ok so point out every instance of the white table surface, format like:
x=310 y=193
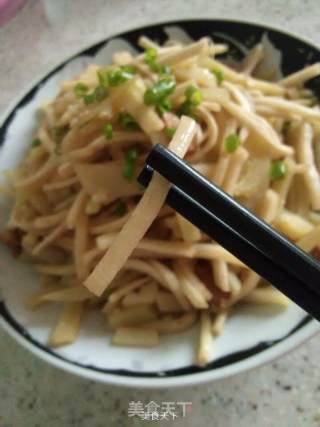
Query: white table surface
x=34 y=394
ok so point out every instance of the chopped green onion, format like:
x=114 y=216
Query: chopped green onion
x=80 y=89
x=193 y=99
x=185 y=109
x=128 y=122
x=219 y=75
x=130 y=163
x=100 y=93
x=164 y=106
x=128 y=69
x=128 y=171
x=170 y=132
x=114 y=77
x=103 y=78
x=193 y=95
x=35 y=142
x=189 y=91
x=158 y=95
x=159 y=91
x=150 y=59
x=131 y=155
x=150 y=55
x=159 y=68
x=155 y=67
x=121 y=208
x=232 y=142
x=89 y=99
x=149 y=97
x=108 y=130
x=278 y=170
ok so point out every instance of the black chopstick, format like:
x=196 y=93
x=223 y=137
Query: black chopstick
x=274 y=245
x=238 y=246
x=242 y=247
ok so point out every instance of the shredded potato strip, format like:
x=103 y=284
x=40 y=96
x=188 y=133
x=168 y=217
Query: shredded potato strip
x=260 y=128
x=305 y=155
x=205 y=339
x=80 y=243
x=117 y=294
x=141 y=219
x=50 y=238
x=289 y=108
x=39 y=178
x=160 y=248
x=266 y=295
x=72 y=294
x=76 y=209
x=299 y=77
x=161 y=274
x=253 y=58
x=192 y=287
x=268 y=212
x=68 y=325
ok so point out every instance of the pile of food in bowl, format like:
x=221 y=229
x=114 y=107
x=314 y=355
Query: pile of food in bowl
x=99 y=241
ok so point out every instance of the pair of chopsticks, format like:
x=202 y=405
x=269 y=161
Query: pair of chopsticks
x=238 y=230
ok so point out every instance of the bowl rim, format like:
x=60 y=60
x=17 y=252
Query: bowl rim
x=190 y=379
x=265 y=356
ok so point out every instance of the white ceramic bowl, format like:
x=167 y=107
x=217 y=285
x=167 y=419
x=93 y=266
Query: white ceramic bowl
x=253 y=335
